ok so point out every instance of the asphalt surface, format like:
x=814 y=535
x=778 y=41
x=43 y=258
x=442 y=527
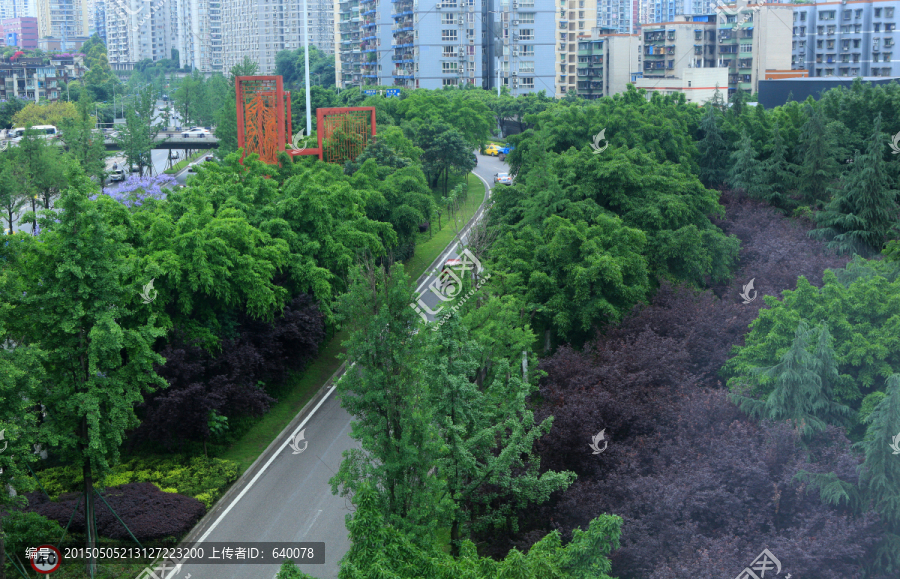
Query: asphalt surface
x=285 y=497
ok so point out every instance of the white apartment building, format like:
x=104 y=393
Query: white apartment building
x=16 y=9
x=199 y=34
x=261 y=29
x=137 y=30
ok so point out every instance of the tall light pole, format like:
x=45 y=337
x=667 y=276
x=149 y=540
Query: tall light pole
x=306 y=63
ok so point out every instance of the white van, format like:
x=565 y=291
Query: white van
x=46 y=131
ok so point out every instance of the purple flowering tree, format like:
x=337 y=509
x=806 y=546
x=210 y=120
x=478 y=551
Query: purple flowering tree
x=135 y=190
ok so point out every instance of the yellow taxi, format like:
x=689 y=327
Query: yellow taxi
x=492 y=150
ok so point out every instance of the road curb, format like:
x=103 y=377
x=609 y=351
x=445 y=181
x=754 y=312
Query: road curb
x=274 y=447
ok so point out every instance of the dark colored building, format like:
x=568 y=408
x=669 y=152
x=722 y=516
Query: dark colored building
x=21 y=32
x=774 y=93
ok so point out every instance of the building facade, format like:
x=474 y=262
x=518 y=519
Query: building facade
x=437 y=43
x=32 y=79
x=576 y=19
x=607 y=62
x=16 y=9
x=671 y=47
x=21 y=32
x=698 y=85
x=752 y=43
x=857 y=38
x=261 y=29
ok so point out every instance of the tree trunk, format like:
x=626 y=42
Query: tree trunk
x=454 y=539
x=90 y=524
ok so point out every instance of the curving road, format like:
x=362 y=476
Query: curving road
x=285 y=497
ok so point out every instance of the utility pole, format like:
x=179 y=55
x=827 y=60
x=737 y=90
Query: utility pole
x=306 y=61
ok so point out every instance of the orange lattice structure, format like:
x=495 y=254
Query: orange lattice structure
x=261 y=124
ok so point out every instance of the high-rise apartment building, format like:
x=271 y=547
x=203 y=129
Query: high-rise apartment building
x=576 y=18
x=849 y=40
x=16 y=9
x=441 y=43
x=199 y=34
x=62 y=18
x=752 y=42
x=619 y=15
x=671 y=47
x=261 y=29
x=136 y=31
x=607 y=62
x=98 y=21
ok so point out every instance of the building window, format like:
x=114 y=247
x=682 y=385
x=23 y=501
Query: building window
x=528 y=34
x=526 y=66
x=878 y=13
x=847 y=14
x=527 y=83
x=829 y=15
x=526 y=17
x=831 y=44
x=449 y=67
x=448 y=35
x=890 y=27
x=448 y=19
x=888 y=12
x=528 y=50
x=877 y=27
x=803 y=17
x=819 y=43
x=887 y=56
x=449 y=81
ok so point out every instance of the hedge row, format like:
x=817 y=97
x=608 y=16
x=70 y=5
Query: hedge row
x=204 y=479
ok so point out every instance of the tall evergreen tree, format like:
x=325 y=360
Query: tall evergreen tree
x=863 y=213
x=818 y=155
x=487 y=435
x=744 y=166
x=776 y=176
x=803 y=385
x=879 y=479
x=383 y=391
x=713 y=150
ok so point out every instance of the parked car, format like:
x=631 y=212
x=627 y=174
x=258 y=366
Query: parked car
x=117 y=175
x=195 y=132
x=503 y=178
x=492 y=150
x=505 y=150
x=208 y=158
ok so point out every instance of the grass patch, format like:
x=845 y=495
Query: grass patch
x=430 y=245
x=185 y=162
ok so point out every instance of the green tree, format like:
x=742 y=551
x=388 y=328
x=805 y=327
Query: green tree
x=713 y=150
x=246 y=67
x=85 y=146
x=21 y=375
x=445 y=150
x=776 y=175
x=818 y=154
x=12 y=192
x=745 y=168
x=380 y=550
x=138 y=136
x=803 y=386
x=81 y=308
x=486 y=434
x=383 y=392
x=863 y=214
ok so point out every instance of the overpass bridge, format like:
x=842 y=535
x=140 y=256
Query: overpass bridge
x=172 y=140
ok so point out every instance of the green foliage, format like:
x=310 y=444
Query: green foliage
x=380 y=550
x=861 y=316
x=382 y=391
x=205 y=479
x=137 y=136
x=23 y=530
x=745 y=168
x=290 y=571
x=291 y=65
x=862 y=216
x=818 y=154
x=776 y=175
x=713 y=150
x=803 y=384
x=577 y=275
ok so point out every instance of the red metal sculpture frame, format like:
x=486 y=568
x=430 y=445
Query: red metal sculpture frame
x=264 y=123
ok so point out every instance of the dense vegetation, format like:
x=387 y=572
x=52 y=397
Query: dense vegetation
x=612 y=305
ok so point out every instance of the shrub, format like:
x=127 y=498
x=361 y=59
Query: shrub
x=148 y=512
x=23 y=530
x=192 y=477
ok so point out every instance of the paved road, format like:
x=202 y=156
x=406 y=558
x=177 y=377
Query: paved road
x=286 y=497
